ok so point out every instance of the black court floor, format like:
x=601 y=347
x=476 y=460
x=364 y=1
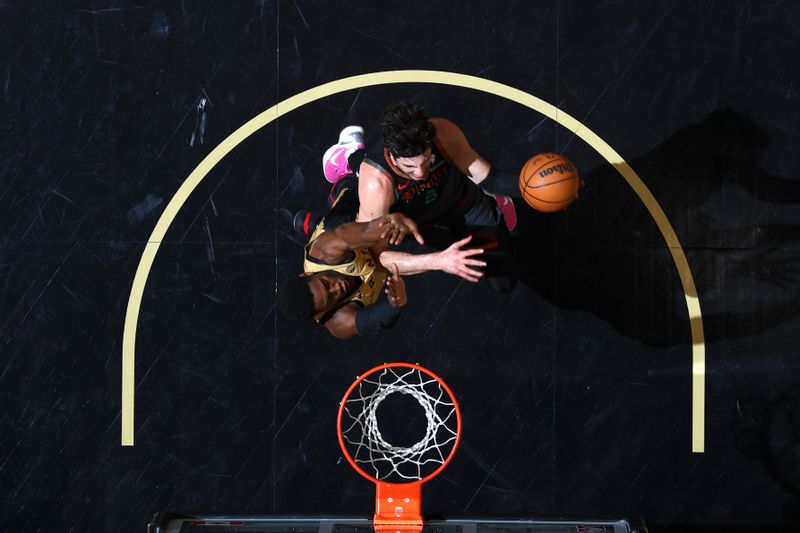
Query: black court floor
x=645 y=365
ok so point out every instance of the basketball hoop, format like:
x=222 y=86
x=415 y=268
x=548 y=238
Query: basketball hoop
x=398 y=471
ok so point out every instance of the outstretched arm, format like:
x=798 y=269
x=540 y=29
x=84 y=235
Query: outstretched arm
x=458 y=149
x=331 y=246
x=394 y=226
x=453 y=260
x=475 y=167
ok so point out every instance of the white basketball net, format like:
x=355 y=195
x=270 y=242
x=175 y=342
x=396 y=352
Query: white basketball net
x=370 y=450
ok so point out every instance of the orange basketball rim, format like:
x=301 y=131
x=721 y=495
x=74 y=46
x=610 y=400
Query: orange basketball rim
x=398 y=471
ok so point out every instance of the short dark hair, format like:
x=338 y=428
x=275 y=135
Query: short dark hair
x=406 y=130
x=295 y=300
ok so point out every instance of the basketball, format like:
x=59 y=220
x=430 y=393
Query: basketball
x=549 y=182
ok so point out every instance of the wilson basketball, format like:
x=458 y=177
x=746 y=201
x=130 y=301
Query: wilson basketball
x=549 y=182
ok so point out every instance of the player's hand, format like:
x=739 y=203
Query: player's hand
x=396 y=226
x=396 y=288
x=460 y=262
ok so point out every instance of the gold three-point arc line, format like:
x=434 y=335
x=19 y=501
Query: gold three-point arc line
x=415 y=76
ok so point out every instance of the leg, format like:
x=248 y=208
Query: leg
x=340 y=164
x=335 y=161
x=342 y=207
x=343 y=201
x=485 y=222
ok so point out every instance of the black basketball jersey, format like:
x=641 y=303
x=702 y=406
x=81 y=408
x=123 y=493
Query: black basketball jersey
x=446 y=194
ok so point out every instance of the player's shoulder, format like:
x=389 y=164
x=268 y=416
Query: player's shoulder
x=325 y=247
x=448 y=133
x=444 y=126
x=342 y=324
x=372 y=176
x=441 y=121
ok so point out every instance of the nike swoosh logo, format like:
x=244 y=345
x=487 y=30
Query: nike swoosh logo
x=401 y=187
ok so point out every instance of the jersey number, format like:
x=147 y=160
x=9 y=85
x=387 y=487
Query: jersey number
x=431 y=196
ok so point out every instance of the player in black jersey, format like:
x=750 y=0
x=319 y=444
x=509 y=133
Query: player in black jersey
x=430 y=173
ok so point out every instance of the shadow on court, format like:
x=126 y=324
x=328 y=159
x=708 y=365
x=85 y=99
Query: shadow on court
x=735 y=223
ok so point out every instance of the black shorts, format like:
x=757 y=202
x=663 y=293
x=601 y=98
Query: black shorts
x=343 y=203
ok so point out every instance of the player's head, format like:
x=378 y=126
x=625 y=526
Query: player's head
x=307 y=294
x=408 y=137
